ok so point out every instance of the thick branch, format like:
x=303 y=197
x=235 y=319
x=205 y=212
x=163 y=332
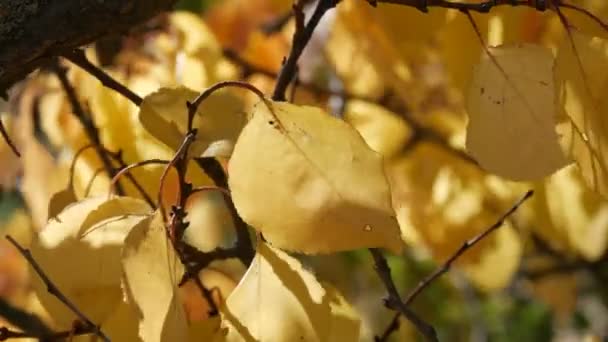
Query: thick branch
x=33 y=31
x=483 y=6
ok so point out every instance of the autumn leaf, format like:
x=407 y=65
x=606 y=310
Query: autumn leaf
x=165 y=115
x=93 y=256
x=310 y=183
x=511 y=109
x=581 y=74
x=151 y=271
x=276 y=288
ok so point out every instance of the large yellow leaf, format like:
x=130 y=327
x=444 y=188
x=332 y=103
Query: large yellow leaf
x=84 y=266
x=581 y=72
x=165 y=115
x=511 y=109
x=309 y=183
x=277 y=289
x=151 y=273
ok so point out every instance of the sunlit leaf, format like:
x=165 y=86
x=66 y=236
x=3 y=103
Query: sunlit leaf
x=277 y=289
x=151 y=273
x=165 y=115
x=309 y=183
x=93 y=257
x=581 y=72
x=511 y=110
x=115 y=207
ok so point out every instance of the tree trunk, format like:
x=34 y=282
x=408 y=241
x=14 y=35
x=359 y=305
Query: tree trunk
x=33 y=31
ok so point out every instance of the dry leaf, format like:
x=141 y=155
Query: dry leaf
x=310 y=183
x=581 y=73
x=511 y=111
x=151 y=271
x=92 y=259
x=165 y=115
x=277 y=289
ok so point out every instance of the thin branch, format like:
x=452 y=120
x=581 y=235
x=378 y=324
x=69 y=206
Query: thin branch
x=79 y=58
x=465 y=246
x=25 y=321
x=52 y=289
x=394 y=299
x=448 y=263
x=78 y=330
x=86 y=121
x=193 y=106
x=243 y=249
x=482 y=7
x=118 y=158
x=301 y=37
x=8 y=140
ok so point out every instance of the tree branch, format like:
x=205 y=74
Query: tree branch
x=79 y=58
x=394 y=300
x=448 y=263
x=52 y=289
x=87 y=122
x=301 y=37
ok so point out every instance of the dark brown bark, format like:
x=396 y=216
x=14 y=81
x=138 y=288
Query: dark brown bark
x=33 y=31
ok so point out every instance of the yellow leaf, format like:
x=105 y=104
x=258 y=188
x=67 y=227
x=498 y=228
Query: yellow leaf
x=210 y=220
x=151 y=273
x=122 y=324
x=309 y=183
x=277 y=289
x=116 y=207
x=60 y=200
x=165 y=115
x=385 y=132
x=93 y=258
x=575 y=213
x=581 y=73
x=511 y=110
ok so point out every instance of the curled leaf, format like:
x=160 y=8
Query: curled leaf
x=165 y=115
x=92 y=258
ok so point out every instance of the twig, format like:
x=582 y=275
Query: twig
x=448 y=263
x=394 y=300
x=30 y=324
x=487 y=5
x=8 y=140
x=118 y=158
x=301 y=37
x=78 y=329
x=86 y=121
x=465 y=246
x=483 y=7
x=79 y=58
x=52 y=289
x=243 y=249
x=196 y=260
